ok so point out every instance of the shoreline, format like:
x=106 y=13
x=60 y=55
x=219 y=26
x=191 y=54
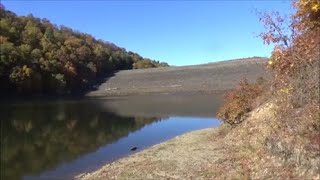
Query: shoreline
x=222 y=152
x=115 y=95
x=173 y=159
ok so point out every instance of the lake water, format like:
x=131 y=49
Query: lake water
x=58 y=139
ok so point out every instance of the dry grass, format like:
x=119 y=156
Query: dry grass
x=190 y=156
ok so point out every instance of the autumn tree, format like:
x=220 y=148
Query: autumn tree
x=40 y=57
x=293 y=91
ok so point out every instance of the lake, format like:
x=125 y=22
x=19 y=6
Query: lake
x=58 y=139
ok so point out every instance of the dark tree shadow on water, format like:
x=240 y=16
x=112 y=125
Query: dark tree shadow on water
x=37 y=136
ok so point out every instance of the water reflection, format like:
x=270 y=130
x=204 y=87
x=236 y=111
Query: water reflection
x=37 y=136
x=58 y=139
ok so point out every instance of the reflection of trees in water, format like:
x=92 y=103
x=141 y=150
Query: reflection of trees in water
x=38 y=136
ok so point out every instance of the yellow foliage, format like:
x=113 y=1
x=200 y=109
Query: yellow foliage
x=315 y=7
x=308 y=11
x=286 y=90
x=26 y=71
x=3 y=39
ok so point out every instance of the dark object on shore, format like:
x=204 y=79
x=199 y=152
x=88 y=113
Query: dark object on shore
x=134 y=148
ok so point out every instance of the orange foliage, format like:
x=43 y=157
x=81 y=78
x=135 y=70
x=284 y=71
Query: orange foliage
x=239 y=102
x=295 y=63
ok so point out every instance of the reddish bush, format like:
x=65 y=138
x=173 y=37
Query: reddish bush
x=238 y=102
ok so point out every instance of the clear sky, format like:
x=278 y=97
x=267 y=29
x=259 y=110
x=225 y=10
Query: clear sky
x=177 y=32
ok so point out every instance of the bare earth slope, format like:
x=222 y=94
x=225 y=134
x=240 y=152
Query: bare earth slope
x=205 y=78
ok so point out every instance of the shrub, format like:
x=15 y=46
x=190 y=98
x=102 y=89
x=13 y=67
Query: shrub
x=295 y=62
x=240 y=101
x=295 y=86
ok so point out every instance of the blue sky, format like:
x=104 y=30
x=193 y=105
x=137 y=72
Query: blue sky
x=177 y=32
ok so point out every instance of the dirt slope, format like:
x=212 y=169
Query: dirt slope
x=206 y=78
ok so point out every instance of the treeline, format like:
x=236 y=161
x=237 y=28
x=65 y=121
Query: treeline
x=38 y=57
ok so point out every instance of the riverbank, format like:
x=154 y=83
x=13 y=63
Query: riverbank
x=217 y=153
x=202 y=154
x=192 y=155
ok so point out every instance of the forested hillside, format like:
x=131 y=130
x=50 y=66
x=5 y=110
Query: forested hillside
x=38 y=57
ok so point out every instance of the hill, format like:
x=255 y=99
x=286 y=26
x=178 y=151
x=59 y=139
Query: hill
x=205 y=78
